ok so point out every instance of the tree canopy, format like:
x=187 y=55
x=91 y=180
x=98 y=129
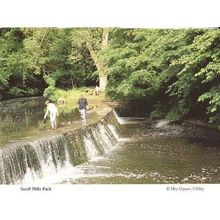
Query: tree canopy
x=35 y=59
x=176 y=72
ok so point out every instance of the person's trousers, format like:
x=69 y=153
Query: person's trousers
x=53 y=121
x=83 y=115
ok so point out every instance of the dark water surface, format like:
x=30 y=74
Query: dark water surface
x=147 y=152
x=152 y=159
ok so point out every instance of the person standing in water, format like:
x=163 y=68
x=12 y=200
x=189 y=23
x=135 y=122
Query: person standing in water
x=82 y=104
x=52 y=109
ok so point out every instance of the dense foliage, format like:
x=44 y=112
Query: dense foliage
x=176 y=73
x=32 y=59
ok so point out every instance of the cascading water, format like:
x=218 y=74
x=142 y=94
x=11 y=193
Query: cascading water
x=128 y=120
x=27 y=162
x=150 y=154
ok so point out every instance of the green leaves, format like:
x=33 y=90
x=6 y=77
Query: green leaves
x=200 y=70
x=176 y=69
x=138 y=84
x=182 y=65
x=213 y=96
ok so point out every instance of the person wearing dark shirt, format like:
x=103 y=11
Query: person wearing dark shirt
x=82 y=105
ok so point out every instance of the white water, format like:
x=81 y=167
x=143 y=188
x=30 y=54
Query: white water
x=128 y=120
x=91 y=150
x=66 y=174
x=87 y=171
x=105 y=139
x=119 y=139
x=162 y=123
x=47 y=160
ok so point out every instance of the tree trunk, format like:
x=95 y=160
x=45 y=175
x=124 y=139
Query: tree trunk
x=72 y=83
x=99 y=62
x=102 y=82
x=105 y=34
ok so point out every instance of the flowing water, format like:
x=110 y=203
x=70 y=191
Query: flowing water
x=115 y=150
x=153 y=156
x=43 y=157
x=165 y=160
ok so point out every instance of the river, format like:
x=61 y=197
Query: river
x=169 y=154
x=112 y=150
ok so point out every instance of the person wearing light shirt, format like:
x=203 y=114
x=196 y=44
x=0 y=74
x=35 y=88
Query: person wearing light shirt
x=53 y=111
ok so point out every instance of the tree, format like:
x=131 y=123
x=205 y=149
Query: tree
x=176 y=68
x=13 y=75
x=174 y=72
x=201 y=72
x=96 y=41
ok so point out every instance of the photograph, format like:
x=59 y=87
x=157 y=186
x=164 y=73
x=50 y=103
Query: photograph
x=109 y=106
x=109 y=109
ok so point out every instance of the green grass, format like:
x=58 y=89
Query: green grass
x=71 y=98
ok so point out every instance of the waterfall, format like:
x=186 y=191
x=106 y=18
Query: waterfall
x=119 y=119
x=21 y=163
x=26 y=162
x=91 y=150
x=128 y=120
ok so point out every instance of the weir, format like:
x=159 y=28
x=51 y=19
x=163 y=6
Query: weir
x=28 y=161
x=115 y=150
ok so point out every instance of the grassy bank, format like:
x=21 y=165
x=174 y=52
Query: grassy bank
x=70 y=98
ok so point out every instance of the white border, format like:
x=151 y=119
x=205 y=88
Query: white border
x=109 y=201
x=110 y=13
